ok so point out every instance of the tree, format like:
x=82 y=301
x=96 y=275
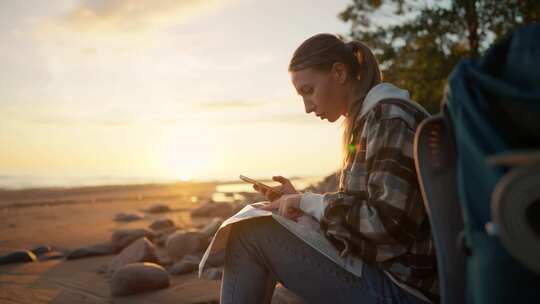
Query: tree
x=418 y=43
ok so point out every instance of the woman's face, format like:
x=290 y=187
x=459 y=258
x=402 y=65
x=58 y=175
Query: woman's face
x=322 y=93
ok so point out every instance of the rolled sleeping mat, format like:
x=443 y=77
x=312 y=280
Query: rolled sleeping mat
x=515 y=209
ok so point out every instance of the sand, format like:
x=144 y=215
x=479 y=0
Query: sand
x=71 y=218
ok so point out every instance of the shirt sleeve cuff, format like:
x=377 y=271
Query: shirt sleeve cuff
x=313 y=204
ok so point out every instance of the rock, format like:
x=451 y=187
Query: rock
x=161 y=239
x=212 y=227
x=53 y=255
x=214 y=273
x=181 y=243
x=90 y=251
x=328 y=184
x=159 y=208
x=41 y=249
x=19 y=256
x=123 y=237
x=163 y=258
x=188 y=264
x=216 y=259
x=137 y=278
x=128 y=217
x=141 y=250
x=213 y=210
x=162 y=224
x=284 y=296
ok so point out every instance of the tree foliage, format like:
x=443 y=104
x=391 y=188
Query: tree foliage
x=418 y=42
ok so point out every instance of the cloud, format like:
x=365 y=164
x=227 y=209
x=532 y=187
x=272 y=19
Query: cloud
x=133 y=16
x=139 y=19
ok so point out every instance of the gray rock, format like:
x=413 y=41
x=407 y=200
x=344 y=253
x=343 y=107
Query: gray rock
x=53 y=255
x=161 y=238
x=138 y=278
x=213 y=210
x=162 y=224
x=214 y=273
x=328 y=184
x=159 y=208
x=163 y=257
x=212 y=227
x=41 y=249
x=284 y=296
x=90 y=251
x=217 y=259
x=128 y=217
x=188 y=264
x=124 y=237
x=181 y=243
x=141 y=250
x=19 y=256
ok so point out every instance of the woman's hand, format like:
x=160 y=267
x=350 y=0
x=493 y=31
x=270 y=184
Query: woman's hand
x=288 y=205
x=286 y=187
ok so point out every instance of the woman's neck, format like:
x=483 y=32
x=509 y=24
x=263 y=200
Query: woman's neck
x=355 y=97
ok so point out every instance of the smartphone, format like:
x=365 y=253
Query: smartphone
x=255 y=182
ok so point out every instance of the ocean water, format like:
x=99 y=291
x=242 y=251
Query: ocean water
x=228 y=189
x=299 y=183
x=8 y=181
x=230 y=192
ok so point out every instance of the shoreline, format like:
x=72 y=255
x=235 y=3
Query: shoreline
x=57 y=195
x=50 y=196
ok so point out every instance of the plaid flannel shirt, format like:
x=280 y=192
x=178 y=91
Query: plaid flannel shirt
x=378 y=213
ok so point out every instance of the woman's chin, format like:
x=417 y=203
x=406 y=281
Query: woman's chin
x=330 y=119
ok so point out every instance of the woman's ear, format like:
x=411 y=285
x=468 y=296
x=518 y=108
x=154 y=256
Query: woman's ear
x=340 y=72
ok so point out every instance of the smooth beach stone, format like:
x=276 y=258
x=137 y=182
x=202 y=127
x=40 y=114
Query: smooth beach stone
x=212 y=227
x=19 y=256
x=213 y=210
x=137 y=278
x=41 y=249
x=128 y=217
x=140 y=251
x=216 y=259
x=122 y=238
x=163 y=258
x=328 y=184
x=161 y=237
x=214 y=273
x=284 y=296
x=90 y=251
x=53 y=255
x=188 y=264
x=162 y=224
x=182 y=243
x=159 y=208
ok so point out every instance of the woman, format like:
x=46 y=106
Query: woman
x=377 y=214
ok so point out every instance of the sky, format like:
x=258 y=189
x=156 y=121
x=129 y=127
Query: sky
x=160 y=89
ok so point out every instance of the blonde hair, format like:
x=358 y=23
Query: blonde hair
x=320 y=52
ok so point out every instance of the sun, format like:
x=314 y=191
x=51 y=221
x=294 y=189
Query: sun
x=185 y=178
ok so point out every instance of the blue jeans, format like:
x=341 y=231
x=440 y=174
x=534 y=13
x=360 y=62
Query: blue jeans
x=261 y=252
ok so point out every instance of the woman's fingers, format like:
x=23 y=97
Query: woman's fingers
x=272 y=195
x=281 y=179
x=287 y=186
x=271 y=206
x=260 y=189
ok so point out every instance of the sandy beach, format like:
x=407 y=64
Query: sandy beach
x=71 y=218
x=65 y=219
